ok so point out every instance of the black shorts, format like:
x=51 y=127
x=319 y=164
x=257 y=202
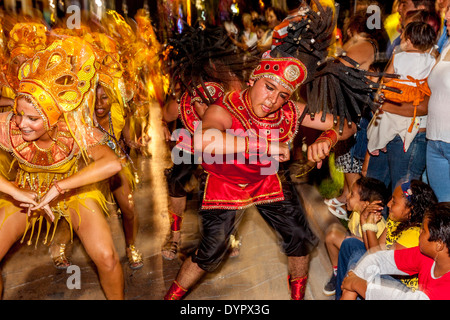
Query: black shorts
x=286 y=217
x=178 y=176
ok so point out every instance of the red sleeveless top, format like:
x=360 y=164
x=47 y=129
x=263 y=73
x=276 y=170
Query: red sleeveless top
x=235 y=181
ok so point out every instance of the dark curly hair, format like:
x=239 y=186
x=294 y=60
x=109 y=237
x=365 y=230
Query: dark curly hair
x=421 y=199
x=201 y=54
x=439 y=223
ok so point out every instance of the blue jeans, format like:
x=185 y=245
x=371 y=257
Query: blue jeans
x=395 y=164
x=350 y=252
x=438 y=169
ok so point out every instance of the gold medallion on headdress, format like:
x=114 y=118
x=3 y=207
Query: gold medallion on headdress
x=289 y=72
x=27 y=38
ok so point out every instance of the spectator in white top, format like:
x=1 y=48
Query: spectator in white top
x=438 y=124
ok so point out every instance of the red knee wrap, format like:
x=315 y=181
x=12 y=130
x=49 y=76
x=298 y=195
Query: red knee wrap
x=298 y=287
x=176 y=220
x=176 y=292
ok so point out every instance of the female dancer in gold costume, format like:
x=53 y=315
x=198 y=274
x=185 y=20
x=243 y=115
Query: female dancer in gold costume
x=60 y=158
x=109 y=117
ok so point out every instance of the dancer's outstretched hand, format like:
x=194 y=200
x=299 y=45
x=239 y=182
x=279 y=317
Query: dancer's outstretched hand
x=51 y=194
x=25 y=197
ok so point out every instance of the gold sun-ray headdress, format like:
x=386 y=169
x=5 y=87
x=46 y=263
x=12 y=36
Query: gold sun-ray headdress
x=60 y=81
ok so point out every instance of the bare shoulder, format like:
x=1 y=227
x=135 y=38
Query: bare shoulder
x=300 y=106
x=99 y=151
x=363 y=53
x=217 y=117
x=170 y=110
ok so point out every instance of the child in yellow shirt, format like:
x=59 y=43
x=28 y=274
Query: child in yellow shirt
x=407 y=208
x=363 y=192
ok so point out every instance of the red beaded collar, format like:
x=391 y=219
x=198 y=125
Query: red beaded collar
x=285 y=119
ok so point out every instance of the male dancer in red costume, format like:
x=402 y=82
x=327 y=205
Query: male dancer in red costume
x=264 y=121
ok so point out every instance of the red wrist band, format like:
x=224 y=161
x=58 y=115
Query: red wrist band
x=61 y=191
x=329 y=135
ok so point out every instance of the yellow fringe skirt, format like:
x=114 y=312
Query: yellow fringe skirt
x=73 y=200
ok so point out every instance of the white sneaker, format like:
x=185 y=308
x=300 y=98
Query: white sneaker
x=339 y=212
x=333 y=202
